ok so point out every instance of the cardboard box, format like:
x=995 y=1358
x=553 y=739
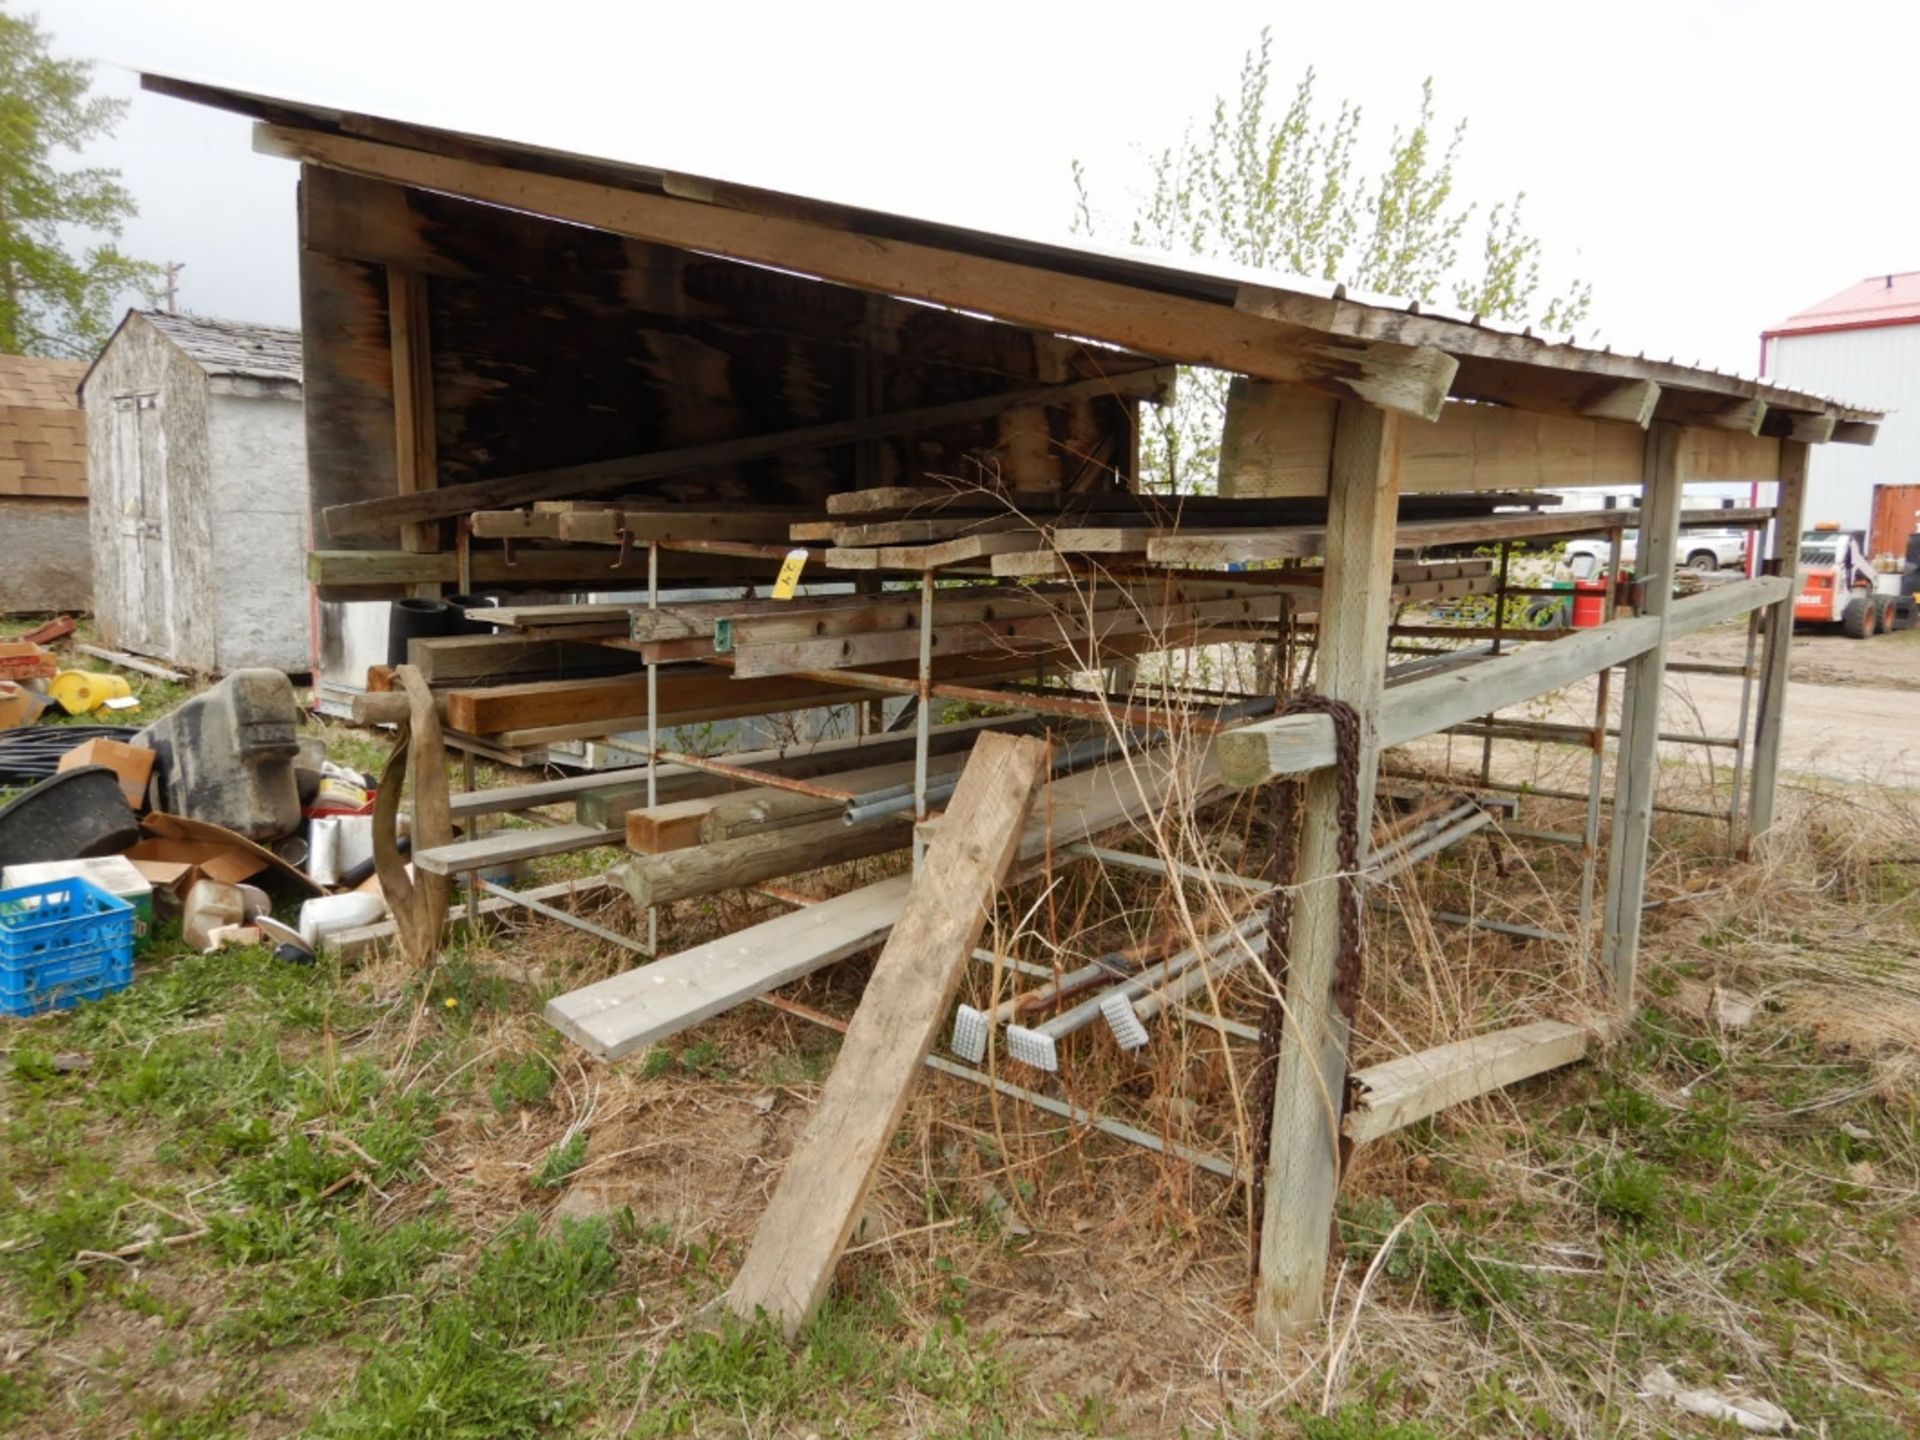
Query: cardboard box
x=132 y=763
x=177 y=865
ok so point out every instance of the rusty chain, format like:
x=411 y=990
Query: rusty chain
x=1351 y=955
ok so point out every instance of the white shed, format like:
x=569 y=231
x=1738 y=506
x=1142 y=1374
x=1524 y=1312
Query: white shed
x=197 y=452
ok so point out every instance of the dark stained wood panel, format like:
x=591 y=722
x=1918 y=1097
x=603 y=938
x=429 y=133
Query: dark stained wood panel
x=556 y=345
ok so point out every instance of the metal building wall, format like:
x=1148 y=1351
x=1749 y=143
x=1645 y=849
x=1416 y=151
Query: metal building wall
x=1878 y=366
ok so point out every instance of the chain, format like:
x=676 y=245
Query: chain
x=1350 y=957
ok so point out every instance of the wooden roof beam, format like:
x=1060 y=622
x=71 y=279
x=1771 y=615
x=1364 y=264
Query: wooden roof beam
x=1741 y=415
x=1803 y=425
x=1556 y=392
x=1409 y=378
x=1855 y=432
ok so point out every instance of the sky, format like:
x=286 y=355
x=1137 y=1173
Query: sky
x=1709 y=166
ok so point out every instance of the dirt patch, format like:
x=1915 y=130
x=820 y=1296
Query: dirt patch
x=1820 y=656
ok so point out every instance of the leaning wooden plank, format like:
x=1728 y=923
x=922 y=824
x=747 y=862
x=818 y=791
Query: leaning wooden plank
x=504 y=847
x=617 y=1016
x=750 y=859
x=1394 y=1094
x=800 y=1238
x=363 y=517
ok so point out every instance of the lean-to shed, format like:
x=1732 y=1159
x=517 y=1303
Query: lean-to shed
x=199 y=523
x=43 y=486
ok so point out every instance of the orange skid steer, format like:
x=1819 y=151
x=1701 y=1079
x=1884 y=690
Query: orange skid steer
x=1837 y=587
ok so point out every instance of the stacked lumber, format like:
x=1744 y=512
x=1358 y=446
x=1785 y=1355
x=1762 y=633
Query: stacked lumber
x=1012 y=535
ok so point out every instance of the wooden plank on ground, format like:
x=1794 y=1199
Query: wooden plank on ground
x=1396 y=1093
x=800 y=1238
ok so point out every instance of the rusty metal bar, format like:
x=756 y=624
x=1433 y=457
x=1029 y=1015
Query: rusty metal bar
x=748 y=776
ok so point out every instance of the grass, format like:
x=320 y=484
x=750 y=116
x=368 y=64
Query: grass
x=249 y=1199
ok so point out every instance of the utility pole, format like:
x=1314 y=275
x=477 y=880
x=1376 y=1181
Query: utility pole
x=173 y=269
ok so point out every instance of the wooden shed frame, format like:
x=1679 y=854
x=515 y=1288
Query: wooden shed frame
x=1359 y=400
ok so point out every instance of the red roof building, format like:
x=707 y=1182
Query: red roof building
x=1876 y=300
x=1863 y=343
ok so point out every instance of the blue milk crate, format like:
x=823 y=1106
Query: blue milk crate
x=61 y=942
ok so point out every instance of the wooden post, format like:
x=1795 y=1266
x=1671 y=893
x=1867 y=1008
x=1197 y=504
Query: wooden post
x=1637 y=761
x=1791 y=505
x=1311 y=1069
x=415 y=453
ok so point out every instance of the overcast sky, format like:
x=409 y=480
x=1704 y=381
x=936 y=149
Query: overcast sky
x=1709 y=166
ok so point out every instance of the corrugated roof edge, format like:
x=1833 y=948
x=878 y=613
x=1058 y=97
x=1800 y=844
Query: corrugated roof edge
x=1333 y=309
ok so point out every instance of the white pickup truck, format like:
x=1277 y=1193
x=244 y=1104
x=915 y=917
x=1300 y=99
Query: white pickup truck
x=1699 y=550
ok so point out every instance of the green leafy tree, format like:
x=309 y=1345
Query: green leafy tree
x=59 y=291
x=1285 y=192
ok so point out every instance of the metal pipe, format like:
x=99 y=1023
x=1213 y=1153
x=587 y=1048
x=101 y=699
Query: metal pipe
x=923 y=718
x=653 y=726
x=1553 y=731
x=554 y=912
x=1740 y=734
x=749 y=776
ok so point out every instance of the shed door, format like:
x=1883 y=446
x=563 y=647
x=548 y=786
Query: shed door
x=145 y=622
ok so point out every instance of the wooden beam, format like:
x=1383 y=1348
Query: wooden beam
x=612 y=1018
x=1855 y=432
x=450 y=659
x=1637 y=768
x=1408 y=378
x=1737 y=414
x=416 y=465
x=1339 y=315
x=1310 y=1068
x=798 y=1242
x=340 y=572
x=1556 y=392
x=1277 y=443
x=1086 y=631
x=688 y=872
x=618 y=525
x=505 y=847
x=364 y=517
x=1291 y=744
x=1770 y=718
x=1396 y=1093
x=1799 y=425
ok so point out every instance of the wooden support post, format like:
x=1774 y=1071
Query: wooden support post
x=1791 y=507
x=1311 y=1068
x=416 y=465
x=1637 y=762
x=814 y=1209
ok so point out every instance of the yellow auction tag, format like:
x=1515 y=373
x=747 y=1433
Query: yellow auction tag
x=789 y=578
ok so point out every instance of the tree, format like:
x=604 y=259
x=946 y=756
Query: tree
x=59 y=292
x=1283 y=194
